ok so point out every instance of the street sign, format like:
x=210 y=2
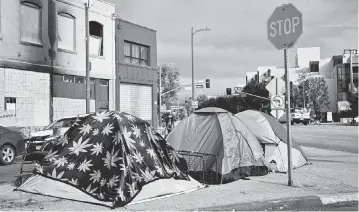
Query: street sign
x=277 y=102
x=285 y=26
x=276 y=84
x=194 y=104
x=199 y=86
x=237 y=90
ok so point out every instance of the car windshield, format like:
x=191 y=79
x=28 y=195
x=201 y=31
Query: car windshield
x=61 y=123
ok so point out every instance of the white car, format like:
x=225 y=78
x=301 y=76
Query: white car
x=58 y=127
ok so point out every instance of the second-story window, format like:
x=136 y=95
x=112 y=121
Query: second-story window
x=314 y=66
x=96 y=38
x=66 y=31
x=31 y=23
x=136 y=54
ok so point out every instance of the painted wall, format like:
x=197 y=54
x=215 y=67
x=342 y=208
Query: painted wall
x=65 y=62
x=136 y=74
x=29 y=57
x=65 y=107
x=31 y=90
x=305 y=55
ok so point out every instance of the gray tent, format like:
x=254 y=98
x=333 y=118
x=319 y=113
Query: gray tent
x=273 y=136
x=229 y=150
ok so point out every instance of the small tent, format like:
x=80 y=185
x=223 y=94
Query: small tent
x=112 y=159
x=216 y=143
x=273 y=137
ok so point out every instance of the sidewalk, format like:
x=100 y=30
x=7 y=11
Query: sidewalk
x=332 y=173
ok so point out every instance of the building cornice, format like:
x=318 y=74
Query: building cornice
x=131 y=23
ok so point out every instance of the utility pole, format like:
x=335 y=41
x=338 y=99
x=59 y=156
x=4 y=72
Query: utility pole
x=192 y=64
x=88 y=83
x=160 y=101
x=192 y=34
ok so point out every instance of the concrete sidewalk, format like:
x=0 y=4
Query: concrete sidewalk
x=332 y=173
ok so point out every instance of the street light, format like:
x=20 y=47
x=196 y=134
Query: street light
x=87 y=4
x=351 y=66
x=192 y=34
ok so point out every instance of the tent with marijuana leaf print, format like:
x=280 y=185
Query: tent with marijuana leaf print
x=110 y=158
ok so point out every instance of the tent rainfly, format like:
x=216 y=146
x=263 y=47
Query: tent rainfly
x=273 y=137
x=228 y=148
x=112 y=159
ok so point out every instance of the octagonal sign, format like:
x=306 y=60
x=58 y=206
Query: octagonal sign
x=284 y=26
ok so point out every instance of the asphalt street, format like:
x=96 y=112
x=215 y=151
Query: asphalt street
x=333 y=137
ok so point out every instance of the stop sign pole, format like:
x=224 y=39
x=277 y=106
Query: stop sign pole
x=284 y=28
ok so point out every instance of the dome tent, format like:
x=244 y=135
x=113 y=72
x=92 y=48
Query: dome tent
x=231 y=151
x=273 y=136
x=110 y=158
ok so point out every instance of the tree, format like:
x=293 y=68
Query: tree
x=233 y=104
x=169 y=81
x=202 y=98
x=318 y=96
x=302 y=98
x=258 y=89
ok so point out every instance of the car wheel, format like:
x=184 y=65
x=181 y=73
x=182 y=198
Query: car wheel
x=7 y=155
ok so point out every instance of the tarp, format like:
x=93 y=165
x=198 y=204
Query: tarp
x=108 y=157
x=270 y=132
x=218 y=133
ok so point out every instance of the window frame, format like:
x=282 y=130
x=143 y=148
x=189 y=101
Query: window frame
x=101 y=82
x=132 y=58
x=33 y=5
x=5 y=103
x=101 y=49
x=73 y=50
x=314 y=64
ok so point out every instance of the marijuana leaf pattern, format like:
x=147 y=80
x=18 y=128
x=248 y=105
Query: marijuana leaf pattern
x=111 y=159
x=79 y=146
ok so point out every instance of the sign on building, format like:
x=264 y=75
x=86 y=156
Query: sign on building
x=194 y=104
x=237 y=90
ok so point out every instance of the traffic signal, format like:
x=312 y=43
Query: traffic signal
x=208 y=83
x=229 y=91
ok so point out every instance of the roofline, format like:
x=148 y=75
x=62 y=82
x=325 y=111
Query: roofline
x=120 y=19
x=106 y=2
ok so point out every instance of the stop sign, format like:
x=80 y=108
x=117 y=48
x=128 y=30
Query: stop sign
x=284 y=26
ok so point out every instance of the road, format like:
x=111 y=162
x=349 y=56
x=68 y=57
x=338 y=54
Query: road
x=340 y=138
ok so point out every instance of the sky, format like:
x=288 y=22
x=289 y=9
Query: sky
x=237 y=42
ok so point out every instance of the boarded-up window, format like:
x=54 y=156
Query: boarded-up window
x=96 y=38
x=31 y=23
x=66 y=31
x=10 y=104
x=136 y=100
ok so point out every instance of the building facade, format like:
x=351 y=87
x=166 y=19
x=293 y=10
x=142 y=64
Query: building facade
x=335 y=70
x=43 y=60
x=136 y=70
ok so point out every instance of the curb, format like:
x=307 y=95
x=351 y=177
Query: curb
x=295 y=203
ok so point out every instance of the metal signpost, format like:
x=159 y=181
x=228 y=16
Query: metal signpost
x=276 y=87
x=284 y=26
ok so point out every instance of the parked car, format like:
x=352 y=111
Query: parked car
x=11 y=145
x=58 y=127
